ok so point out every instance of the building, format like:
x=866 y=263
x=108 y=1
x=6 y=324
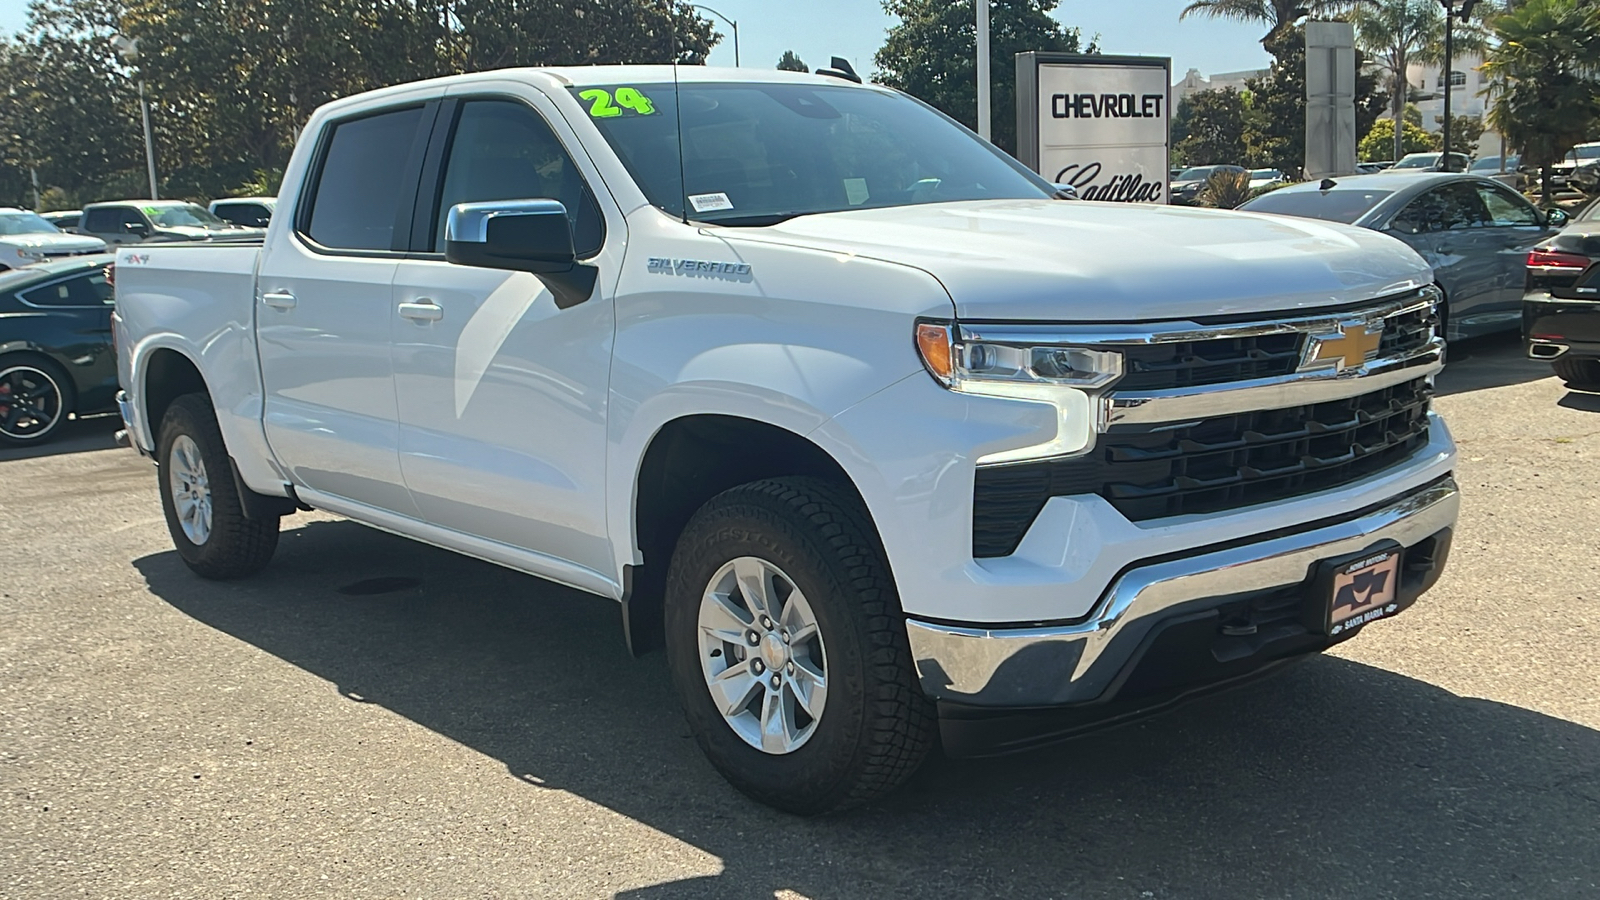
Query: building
x=1468 y=97
x=1194 y=82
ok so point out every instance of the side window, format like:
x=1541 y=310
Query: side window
x=1505 y=208
x=356 y=199
x=127 y=215
x=89 y=289
x=503 y=150
x=1452 y=207
x=101 y=221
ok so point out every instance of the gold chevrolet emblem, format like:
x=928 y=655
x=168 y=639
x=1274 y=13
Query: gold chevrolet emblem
x=1352 y=346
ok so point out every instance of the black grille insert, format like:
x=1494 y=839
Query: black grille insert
x=1218 y=464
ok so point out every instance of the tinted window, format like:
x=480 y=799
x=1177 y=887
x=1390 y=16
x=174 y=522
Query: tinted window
x=1505 y=208
x=357 y=197
x=503 y=150
x=755 y=154
x=1449 y=208
x=111 y=220
x=89 y=289
x=250 y=215
x=1335 y=206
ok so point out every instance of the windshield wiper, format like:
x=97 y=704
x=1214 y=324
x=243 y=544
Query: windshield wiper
x=754 y=221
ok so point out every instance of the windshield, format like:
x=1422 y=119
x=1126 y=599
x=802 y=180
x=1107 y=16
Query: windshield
x=1420 y=161
x=1198 y=173
x=1265 y=173
x=1335 y=206
x=1592 y=151
x=1492 y=163
x=25 y=223
x=185 y=216
x=757 y=154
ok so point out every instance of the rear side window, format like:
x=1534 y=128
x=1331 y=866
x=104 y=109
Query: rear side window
x=111 y=220
x=250 y=215
x=358 y=192
x=1335 y=206
x=1453 y=207
x=89 y=289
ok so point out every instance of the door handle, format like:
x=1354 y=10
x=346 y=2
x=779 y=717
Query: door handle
x=422 y=311
x=278 y=299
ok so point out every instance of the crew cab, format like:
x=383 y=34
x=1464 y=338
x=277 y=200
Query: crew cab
x=884 y=440
x=161 y=221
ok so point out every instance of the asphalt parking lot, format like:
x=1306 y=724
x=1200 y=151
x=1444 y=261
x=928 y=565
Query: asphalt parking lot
x=457 y=730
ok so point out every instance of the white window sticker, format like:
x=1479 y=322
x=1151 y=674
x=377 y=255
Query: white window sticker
x=709 y=202
x=855 y=191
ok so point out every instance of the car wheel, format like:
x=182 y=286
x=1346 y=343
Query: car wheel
x=36 y=397
x=1583 y=374
x=788 y=649
x=204 y=513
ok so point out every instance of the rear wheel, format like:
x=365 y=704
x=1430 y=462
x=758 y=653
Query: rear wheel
x=788 y=648
x=35 y=399
x=204 y=513
x=1583 y=374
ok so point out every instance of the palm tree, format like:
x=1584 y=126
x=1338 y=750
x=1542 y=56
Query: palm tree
x=1275 y=14
x=1396 y=33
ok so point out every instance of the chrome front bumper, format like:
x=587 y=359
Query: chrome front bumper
x=1078 y=662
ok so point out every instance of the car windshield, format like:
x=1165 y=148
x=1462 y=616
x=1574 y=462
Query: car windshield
x=25 y=223
x=1419 y=161
x=1198 y=173
x=1592 y=151
x=1345 y=205
x=186 y=216
x=757 y=154
x=1265 y=173
x=1492 y=164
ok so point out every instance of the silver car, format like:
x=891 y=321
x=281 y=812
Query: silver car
x=1474 y=231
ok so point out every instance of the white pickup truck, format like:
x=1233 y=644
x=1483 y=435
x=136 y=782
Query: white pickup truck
x=883 y=439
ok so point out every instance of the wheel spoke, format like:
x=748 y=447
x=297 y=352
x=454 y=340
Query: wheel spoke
x=720 y=618
x=777 y=731
x=755 y=583
x=810 y=687
x=731 y=689
x=797 y=618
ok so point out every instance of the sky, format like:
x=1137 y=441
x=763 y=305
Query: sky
x=819 y=29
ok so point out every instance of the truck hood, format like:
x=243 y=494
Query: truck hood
x=1055 y=260
x=45 y=242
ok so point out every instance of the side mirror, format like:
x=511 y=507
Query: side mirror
x=138 y=228
x=1556 y=218
x=1066 y=192
x=522 y=236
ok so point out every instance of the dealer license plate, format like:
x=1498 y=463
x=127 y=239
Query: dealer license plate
x=1364 y=590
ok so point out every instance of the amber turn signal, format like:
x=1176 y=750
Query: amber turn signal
x=933 y=342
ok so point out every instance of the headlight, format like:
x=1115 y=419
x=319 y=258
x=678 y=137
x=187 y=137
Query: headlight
x=28 y=253
x=1066 y=377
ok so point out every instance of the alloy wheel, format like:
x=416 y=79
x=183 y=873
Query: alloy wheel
x=30 y=403
x=191 y=490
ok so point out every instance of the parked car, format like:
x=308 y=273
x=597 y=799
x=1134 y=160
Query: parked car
x=1474 y=231
x=1561 y=311
x=879 y=457
x=1429 y=162
x=138 y=221
x=64 y=219
x=1260 y=178
x=56 y=358
x=1581 y=155
x=1370 y=168
x=1187 y=185
x=26 y=238
x=1490 y=165
x=247 y=212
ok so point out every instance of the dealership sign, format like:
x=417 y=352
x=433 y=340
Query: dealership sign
x=1098 y=123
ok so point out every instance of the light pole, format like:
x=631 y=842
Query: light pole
x=1449 y=68
x=128 y=49
x=732 y=23
x=983 y=69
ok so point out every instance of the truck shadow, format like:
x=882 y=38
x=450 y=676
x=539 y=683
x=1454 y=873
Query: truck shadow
x=1491 y=361
x=1333 y=779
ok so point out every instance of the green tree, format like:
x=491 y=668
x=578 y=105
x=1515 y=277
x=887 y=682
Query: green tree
x=1396 y=33
x=931 y=53
x=1276 y=133
x=1277 y=15
x=791 y=62
x=1209 y=128
x=1379 y=142
x=1464 y=134
x=1543 y=79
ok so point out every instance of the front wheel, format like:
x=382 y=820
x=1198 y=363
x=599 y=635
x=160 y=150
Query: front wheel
x=788 y=648
x=204 y=513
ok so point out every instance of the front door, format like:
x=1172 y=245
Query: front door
x=1448 y=226
x=1517 y=226
x=502 y=396
x=324 y=310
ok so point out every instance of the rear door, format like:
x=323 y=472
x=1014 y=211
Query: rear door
x=324 y=307
x=1517 y=226
x=502 y=396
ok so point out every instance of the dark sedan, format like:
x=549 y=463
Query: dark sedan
x=1561 y=312
x=1474 y=231
x=56 y=358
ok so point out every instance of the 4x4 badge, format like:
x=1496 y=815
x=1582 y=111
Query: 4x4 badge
x=1351 y=346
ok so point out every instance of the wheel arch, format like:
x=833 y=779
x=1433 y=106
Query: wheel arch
x=686 y=462
x=164 y=375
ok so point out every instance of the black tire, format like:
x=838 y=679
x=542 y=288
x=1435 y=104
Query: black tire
x=876 y=726
x=42 y=368
x=1580 y=373
x=236 y=546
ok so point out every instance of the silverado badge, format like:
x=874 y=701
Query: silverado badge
x=1348 y=348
